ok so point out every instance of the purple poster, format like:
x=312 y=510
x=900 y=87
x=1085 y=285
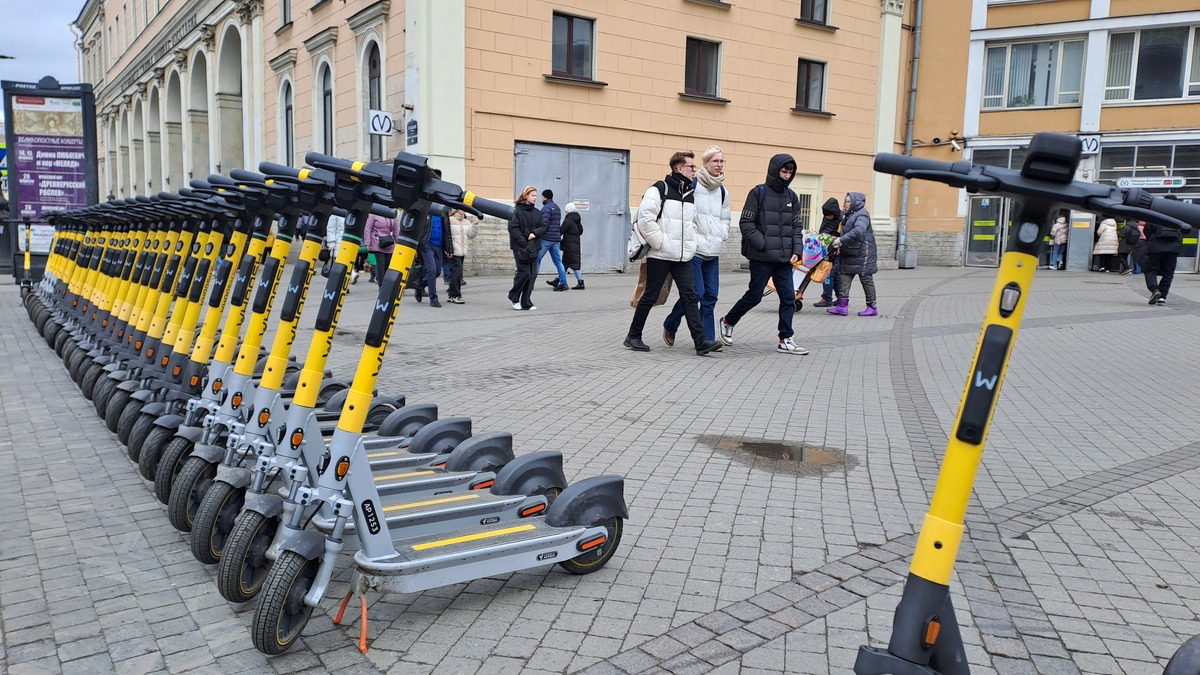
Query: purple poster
x=47 y=163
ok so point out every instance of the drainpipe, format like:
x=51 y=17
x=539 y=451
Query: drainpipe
x=902 y=227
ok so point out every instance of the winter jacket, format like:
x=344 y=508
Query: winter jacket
x=831 y=222
x=1162 y=238
x=1124 y=245
x=1106 y=242
x=525 y=220
x=773 y=231
x=378 y=226
x=672 y=236
x=572 y=230
x=463 y=227
x=859 y=254
x=334 y=230
x=1058 y=233
x=712 y=220
x=552 y=221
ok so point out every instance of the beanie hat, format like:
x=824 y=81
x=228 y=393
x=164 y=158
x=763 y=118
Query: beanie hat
x=569 y=207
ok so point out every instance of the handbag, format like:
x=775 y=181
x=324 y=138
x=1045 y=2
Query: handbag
x=327 y=267
x=821 y=272
x=637 y=247
x=641 y=288
x=323 y=254
x=385 y=241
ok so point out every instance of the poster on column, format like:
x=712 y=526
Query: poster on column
x=48 y=166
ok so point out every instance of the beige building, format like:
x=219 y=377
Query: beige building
x=588 y=99
x=1123 y=75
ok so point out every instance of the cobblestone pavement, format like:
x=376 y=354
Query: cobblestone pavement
x=1080 y=554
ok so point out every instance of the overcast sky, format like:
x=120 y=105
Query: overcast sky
x=35 y=34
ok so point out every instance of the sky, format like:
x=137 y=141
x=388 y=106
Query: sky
x=35 y=33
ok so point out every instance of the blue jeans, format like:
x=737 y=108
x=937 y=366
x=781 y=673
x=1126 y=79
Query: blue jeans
x=555 y=249
x=759 y=273
x=707 y=276
x=1056 y=256
x=829 y=286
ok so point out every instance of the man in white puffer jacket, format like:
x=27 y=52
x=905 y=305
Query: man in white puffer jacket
x=667 y=220
x=712 y=229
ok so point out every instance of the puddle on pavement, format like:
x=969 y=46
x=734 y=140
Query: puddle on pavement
x=794 y=458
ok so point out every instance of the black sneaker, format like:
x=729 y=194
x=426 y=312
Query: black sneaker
x=433 y=302
x=553 y=282
x=1155 y=297
x=1161 y=302
x=636 y=344
x=705 y=346
x=563 y=287
x=823 y=303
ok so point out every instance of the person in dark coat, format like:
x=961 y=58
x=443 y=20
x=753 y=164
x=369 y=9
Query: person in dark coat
x=1162 y=253
x=572 y=231
x=831 y=224
x=552 y=240
x=524 y=238
x=859 y=255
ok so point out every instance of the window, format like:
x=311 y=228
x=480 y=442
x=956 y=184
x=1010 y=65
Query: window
x=815 y=11
x=1029 y=74
x=375 y=98
x=1153 y=64
x=326 y=111
x=703 y=65
x=571 y=53
x=285 y=12
x=810 y=85
x=289 y=125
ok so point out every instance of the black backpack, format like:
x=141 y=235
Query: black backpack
x=1132 y=235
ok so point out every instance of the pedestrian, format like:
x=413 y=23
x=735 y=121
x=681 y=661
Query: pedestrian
x=1058 y=243
x=572 y=232
x=552 y=240
x=712 y=229
x=525 y=230
x=380 y=236
x=831 y=225
x=1129 y=237
x=432 y=255
x=1106 y=244
x=667 y=220
x=1139 y=248
x=334 y=228
x=463 y=227
x=860 y=257
x=772 y=240
x=1162 y=253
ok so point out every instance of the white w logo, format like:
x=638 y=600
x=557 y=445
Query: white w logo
x=382 y=306
x=980 y=382
x=329 y=295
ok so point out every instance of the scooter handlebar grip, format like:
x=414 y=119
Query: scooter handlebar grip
x=272 y=169
x=496 y=209
x=886 y=162
x=384 y=211
x=242 y=174
x=1183 y=211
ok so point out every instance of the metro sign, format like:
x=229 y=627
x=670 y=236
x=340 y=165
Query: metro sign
x=1152 y=182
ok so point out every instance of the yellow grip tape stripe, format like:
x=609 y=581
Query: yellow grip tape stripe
x=402 y=475
x=304 y=173
x=471 y=537
x=469 y=199
x=431 y=502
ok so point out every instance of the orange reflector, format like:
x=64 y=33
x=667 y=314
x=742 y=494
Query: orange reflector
x=194 y=381
x=138 y=346
x=589 y=544
x=263 y=417
x=343 y=467
x=237 y=400
x=165 y=359
x=175 y=371
x=931 y=632
x=216 y=386
x=297 y=438
x=149 y=352
x=104 y=323
x=531 y=510
x=482 y=485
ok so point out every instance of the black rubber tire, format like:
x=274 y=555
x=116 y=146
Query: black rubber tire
x=598 y=557
x=244 y=563
x=328 y=390
x=88 y=384
x=378 y=413
x=194 y=480
x=73 y=359
x=102 y=392
x=799 y=305
x=281 y=614
x=152 y=449
x=125 y=422
x=116 y=405
x=142 y=426
x=40 y=317
x=52 y=332
x=170 y=463
x=214 y=521
x=61 y=340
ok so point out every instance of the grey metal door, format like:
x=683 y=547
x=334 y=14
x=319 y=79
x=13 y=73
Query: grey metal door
x=597 y=181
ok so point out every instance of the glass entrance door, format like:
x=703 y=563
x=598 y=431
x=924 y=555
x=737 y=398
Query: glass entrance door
x=987 y=228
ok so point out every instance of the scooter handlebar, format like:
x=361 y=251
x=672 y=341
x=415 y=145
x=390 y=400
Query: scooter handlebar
x=486 y=206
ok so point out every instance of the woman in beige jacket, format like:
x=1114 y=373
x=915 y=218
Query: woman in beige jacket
x=463 y=227
x=1106 y=244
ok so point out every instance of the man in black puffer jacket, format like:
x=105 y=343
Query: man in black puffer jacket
x=772 y=240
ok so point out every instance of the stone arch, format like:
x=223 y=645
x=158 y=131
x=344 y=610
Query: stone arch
x=173 y=133
x=123 y=155
x=197 y=117
x=137 y=148
x=230 y=107
x=324 y=108
x=372 y=94
x=154 y=149
x=287 y=121
x=111 y=149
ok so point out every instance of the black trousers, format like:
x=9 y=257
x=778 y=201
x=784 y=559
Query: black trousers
x=685 y=280
x=1160 y=271
x=522 y=289
x=455 y=263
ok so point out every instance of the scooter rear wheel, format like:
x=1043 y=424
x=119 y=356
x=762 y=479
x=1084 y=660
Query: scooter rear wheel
x=152 y=450
x=195 y=478
x=281 y=614
x=90 y=378
x=214 y=520
x=142 y=426
x=170 y=463
x=116 y=405
x=598 y=557
x=125 y=424
x=105 y=386
x=244 y=562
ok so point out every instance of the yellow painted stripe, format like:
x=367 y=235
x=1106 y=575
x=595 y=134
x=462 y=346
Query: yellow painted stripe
x=472 y=537
x=984 y=237
x=377 y=455
x=402 y=475
x=431 y=502
x=304 y=173
x=469 y=199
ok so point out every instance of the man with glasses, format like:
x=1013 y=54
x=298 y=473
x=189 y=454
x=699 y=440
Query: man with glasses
x=772 y=240
x=667 y=220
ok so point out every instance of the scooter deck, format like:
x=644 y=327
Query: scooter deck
x=428 y=479
x=443 y=513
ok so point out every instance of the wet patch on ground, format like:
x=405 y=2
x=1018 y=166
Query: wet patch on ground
x=801 y=459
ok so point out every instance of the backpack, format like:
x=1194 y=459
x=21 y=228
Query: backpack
x=637 y=246
x=760 y=192
x=1132 y=235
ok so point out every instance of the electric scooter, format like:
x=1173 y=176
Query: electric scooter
x=925 y=634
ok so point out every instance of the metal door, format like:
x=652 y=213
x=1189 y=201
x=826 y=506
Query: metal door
x=597 y=181
x=986 y=228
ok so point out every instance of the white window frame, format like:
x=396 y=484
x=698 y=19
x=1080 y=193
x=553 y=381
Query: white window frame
x=1191 y=80
x=1060 y=44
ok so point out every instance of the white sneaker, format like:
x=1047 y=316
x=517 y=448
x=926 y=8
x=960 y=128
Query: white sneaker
x=533 y=308
x=354 y=277
x=726 y=332
x=786 y=346
x=517 y=306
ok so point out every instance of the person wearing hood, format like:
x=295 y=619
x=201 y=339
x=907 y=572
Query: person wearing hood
x=859 y=255
x=525 y=231
x=1106 y=244
x=772 y=240
x=712 y=229
x=572 y=232
x=1058 y=242
x=667 y=220
x=831 y=224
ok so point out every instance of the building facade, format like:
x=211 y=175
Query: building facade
x=1123 y=75
x=587 y=99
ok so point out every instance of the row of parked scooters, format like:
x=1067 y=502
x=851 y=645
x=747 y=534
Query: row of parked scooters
x=159 y=307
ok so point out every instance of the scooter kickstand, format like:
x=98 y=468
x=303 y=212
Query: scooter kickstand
x=362 y=633
x=337 y=620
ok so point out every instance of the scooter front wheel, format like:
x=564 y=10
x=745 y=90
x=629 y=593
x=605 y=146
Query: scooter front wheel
x=214 y=521
x=599 y=556
x=170 y=463
x=142 y=426
x=152 y=449
x=244 y=562
x=281 y=614
x=194 y=481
